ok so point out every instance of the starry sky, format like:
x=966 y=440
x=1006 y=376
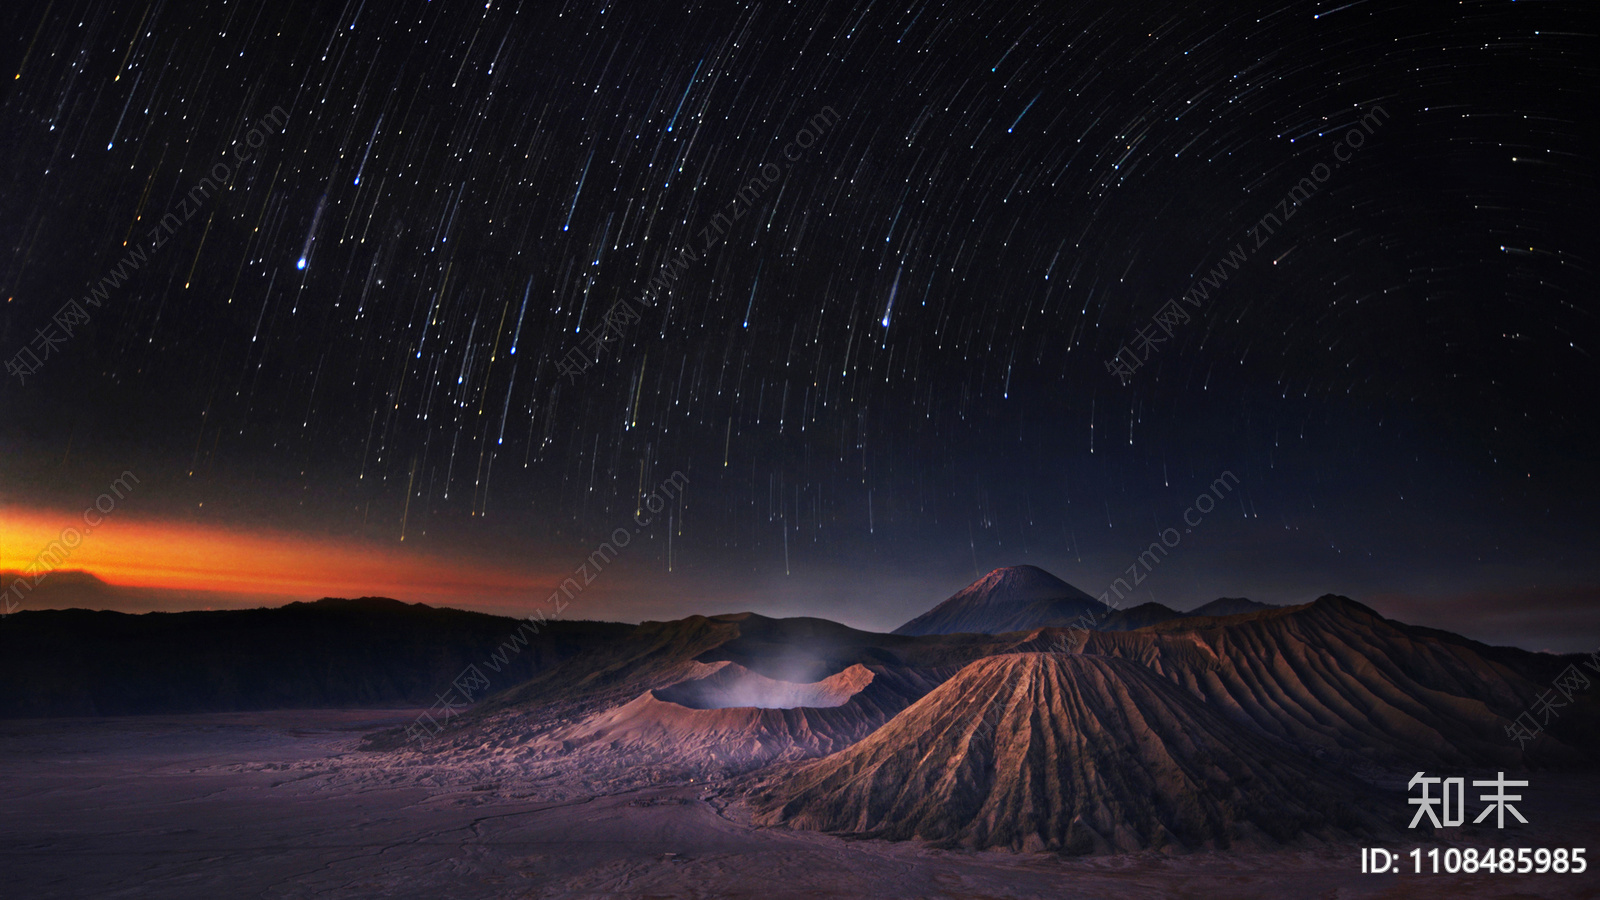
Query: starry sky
x=905 y=292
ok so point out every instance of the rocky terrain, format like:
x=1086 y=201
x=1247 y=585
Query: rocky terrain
x=731 y=719
x=1070 y=753
x=1234 y=729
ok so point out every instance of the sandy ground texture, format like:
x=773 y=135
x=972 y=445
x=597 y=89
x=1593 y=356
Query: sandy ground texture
x=281 y=805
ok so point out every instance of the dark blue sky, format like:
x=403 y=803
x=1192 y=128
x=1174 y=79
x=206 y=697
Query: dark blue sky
x=889 y=363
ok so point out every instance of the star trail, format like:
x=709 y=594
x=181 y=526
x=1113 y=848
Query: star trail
x=895 y=286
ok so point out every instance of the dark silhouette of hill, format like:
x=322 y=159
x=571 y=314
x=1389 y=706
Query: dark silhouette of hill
x=63 y=589
x=77 y=589
x=1136 y=617
x=1072 y=753
x=1021 y=598
x=1147 y=614
x=331 y=653
x=1229 y=606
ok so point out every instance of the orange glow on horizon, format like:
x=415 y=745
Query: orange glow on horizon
x=131 y=552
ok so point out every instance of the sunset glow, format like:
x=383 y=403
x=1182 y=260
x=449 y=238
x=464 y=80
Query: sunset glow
x=143 y=553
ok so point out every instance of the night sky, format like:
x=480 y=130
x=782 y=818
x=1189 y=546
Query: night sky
x=897 y=363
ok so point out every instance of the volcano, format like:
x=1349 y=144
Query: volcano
x=729 y=718
x=1022 y=598
x=1069 y=753
x=1338 y=680
x=1014 y=598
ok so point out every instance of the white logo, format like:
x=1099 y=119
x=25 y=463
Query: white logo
x=1449 y=808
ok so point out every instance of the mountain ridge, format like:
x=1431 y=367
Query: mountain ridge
x=1021 y=598
x=1067 y=753
x=334 y=652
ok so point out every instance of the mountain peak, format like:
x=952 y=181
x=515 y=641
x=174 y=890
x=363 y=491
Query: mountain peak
x=1072 y=753
x=1229 y=606
x=1012 y=598
x=1340 y=603
x=1016 y=580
